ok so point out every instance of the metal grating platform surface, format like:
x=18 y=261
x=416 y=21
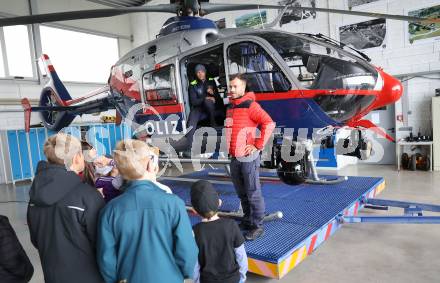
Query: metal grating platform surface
x=309 y=216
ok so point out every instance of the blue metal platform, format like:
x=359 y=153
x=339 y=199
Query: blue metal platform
x=309 y=215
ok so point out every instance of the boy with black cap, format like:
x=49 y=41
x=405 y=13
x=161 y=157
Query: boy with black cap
x=222 y=257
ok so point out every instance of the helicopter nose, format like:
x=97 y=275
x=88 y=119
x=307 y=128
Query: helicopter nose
x=391 y=90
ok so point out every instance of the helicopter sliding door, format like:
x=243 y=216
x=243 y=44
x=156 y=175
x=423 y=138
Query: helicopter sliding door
x=212 y=60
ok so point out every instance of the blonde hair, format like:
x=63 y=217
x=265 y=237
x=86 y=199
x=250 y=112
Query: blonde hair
x=131 y=156
x=61 y=148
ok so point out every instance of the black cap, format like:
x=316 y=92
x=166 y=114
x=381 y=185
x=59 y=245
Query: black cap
x=204 y=198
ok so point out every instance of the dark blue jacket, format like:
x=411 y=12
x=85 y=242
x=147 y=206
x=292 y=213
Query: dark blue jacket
x=62 y=219
x=198 y=92
x=145 y=236
x=15 y=266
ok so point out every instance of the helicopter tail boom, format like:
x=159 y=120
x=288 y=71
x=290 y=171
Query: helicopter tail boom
x=96 y=106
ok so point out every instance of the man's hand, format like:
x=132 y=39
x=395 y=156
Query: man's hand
x=249 y=149
x=210 y=91
x=212 y=99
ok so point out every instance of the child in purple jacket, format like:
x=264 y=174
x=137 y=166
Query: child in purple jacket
x=106 y=181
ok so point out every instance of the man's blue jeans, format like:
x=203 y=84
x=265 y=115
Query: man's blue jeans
x=246 y=179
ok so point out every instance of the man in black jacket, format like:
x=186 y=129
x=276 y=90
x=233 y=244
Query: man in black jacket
x=15 y=266
x=63 y=214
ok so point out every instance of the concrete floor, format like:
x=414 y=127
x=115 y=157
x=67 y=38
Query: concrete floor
x=356 y=253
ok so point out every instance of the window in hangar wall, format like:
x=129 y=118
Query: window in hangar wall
x=79 y=56
x=2 y=67
x=18 y=52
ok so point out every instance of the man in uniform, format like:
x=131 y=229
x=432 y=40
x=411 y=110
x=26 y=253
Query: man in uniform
x=203 y=96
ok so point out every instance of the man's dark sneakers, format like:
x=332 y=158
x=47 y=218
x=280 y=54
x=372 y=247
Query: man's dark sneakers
x=254 y=234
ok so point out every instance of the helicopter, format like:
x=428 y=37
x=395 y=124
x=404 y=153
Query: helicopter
x=304 y=81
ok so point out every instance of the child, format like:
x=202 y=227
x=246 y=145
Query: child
x=118 y=182
x=144 y=235
x=63 y=213
x=89 y=152
x=222 y=257
x=106 y=181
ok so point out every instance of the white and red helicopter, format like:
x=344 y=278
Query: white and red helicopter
x=304 y=81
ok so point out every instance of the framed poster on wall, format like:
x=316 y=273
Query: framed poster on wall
x=294 y=15
x=251 y=20
x=354 y=3
x=424 y=31
x=363 y=35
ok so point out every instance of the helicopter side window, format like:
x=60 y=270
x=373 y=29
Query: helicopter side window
x=159 y=86
x=262 y=73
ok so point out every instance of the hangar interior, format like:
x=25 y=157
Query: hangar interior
x=84 y=51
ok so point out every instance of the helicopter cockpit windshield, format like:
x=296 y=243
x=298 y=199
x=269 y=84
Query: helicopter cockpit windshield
x=319 y=66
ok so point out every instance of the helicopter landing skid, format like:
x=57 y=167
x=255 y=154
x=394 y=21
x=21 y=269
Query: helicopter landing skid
x=315 y=179
x=238 y=215
x=322 y=181
x=313 y=172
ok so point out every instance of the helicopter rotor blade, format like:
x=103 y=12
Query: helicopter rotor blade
x=85 y=14
x=206 y=8
x=370 y=14
x=209 y=8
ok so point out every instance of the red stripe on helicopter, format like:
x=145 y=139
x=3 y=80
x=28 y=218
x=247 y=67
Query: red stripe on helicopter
x=311 y=93
x=164 y=109
x=88 y=95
